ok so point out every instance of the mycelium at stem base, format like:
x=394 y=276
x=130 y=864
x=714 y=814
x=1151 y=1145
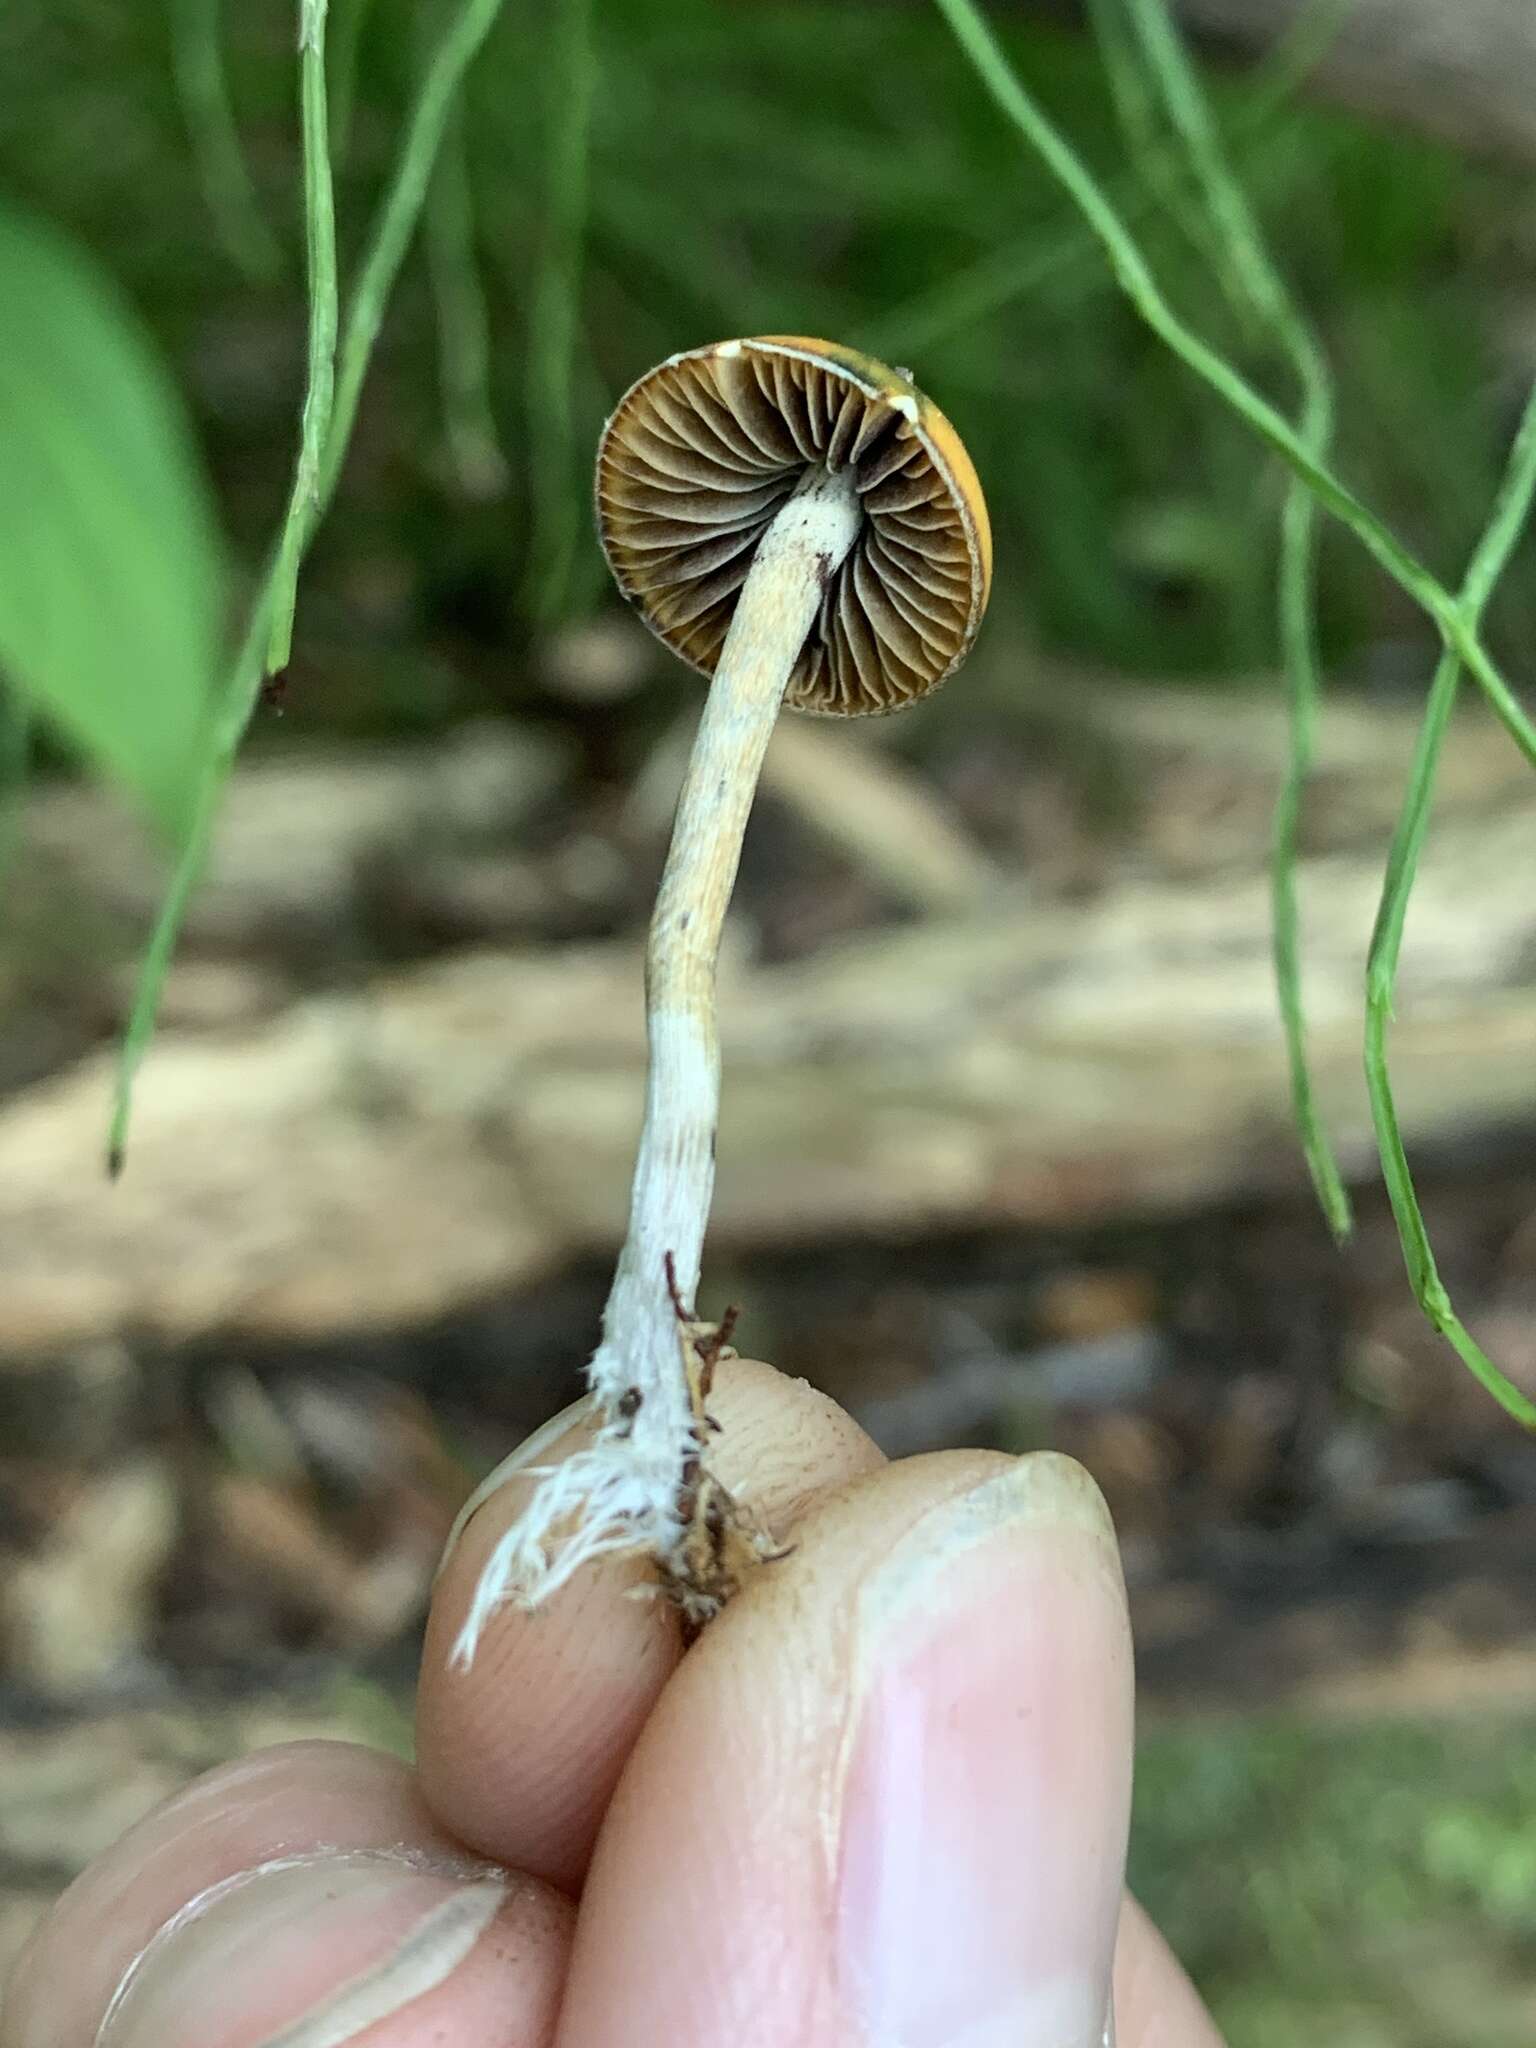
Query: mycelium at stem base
x=631 y=1490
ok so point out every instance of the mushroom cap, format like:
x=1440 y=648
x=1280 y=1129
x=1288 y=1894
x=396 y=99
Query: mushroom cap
x=702 y=452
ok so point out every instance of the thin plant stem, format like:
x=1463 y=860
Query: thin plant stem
x=398 y=215
x=388 y=241
x=324 y=299
x=1245 y=262
x=1135 y=279
x=1297 y=52
x=554 y=312
x=1297 y=596
x=1458 y=618
x=982 y=288
x=229 y=191
x=269 y=627
x=1160 y=168
x=1505 y=525
x=463 y=326
x=230 y=722
x=349 y=20
x=1254 y=280
x=997 y=279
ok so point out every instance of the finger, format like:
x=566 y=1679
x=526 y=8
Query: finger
x=885 y=1798
x=1156 y=2006
x=302 y=1896
x=518 y=1756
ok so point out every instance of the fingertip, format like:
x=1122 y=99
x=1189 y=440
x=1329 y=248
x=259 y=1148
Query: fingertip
x=783 y=1444
x=276 y=1805
x=890 y=1787
x=519 y=1754
x=1156 y=2006
x=330 y=1948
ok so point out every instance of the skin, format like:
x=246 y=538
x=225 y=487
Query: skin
x=606 y=1841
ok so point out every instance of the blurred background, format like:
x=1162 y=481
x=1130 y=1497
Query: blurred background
x=1006 y=1155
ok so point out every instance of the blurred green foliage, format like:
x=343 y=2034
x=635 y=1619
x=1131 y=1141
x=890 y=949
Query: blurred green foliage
x=1371 y=1885
x=111 y=564
x=752 y=169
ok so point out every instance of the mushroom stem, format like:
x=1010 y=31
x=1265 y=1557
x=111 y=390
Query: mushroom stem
x=627 y=1491
x=675 y=1169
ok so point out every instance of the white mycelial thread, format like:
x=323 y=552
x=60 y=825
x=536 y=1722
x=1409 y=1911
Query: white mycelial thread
x=524 y=1459
x=623 y=1492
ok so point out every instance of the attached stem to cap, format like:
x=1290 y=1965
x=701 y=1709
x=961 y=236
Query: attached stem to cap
x=629 y=1491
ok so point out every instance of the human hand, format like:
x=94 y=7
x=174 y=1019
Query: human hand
x=881 y=1803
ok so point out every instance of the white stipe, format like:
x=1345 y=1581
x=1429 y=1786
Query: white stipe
x=622 y=1492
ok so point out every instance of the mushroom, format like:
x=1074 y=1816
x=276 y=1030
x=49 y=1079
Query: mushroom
x=798 y=522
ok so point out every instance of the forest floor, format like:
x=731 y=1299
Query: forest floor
x=224 y=1534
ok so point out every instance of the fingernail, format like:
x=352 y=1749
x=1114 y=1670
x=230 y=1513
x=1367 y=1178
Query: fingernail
x=310 y=1953
x=986 y=1796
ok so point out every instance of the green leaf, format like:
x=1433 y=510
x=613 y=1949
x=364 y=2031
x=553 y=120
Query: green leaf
x=111 y=564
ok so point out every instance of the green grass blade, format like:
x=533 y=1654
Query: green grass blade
x=349 y=21
x=1458 y=618
x=1296 y=53
x=1505 y=525
x=463 y=326
x=907 y=330
x=999 y=277
x=391 y=236
x=1135 y=279
x=1244 y=261
x=320 y=391
x=1297 y=594
x=1252 y=278
x=228 y=189
x=554 y=312
x=1160 y=169
x=1506 y=522
x=244 y=683
x=398 y=215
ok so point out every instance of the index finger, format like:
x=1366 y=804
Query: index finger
x=519 y=1755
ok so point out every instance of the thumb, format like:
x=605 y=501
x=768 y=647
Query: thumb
x=888 y=1791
